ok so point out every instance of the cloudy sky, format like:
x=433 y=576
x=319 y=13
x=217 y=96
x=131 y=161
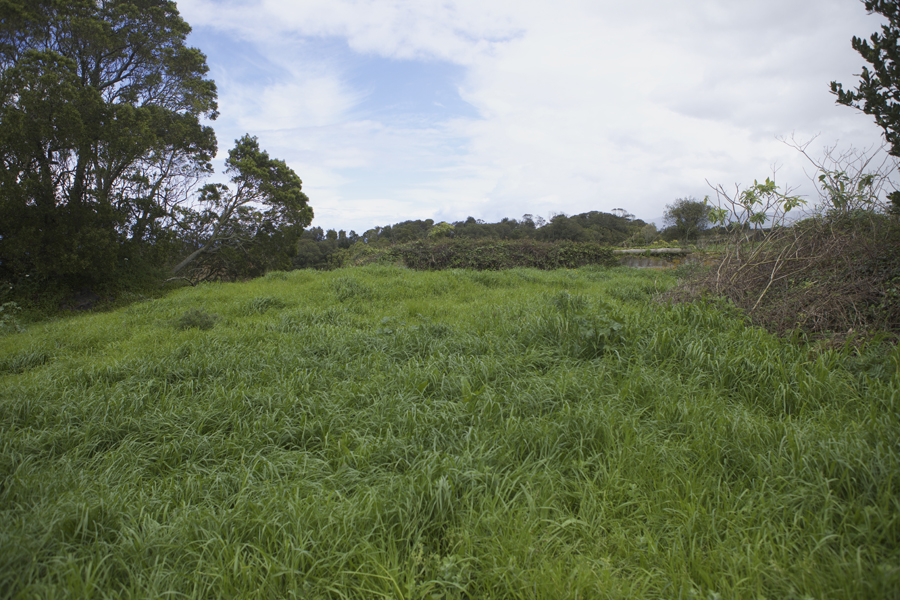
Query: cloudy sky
x=412 y=109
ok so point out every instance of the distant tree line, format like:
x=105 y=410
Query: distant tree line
x=104 y=144
x=319 y=249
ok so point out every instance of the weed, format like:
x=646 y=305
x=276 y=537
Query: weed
x=9 y=322
x=348 y=288
x=196 y=318
x=260 y=305
x=574 y=329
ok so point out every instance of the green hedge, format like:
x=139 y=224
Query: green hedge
x=495 y=255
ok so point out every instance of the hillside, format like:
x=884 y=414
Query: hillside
x=382 y=432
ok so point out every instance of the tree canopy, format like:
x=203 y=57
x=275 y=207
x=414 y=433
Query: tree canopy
x=688 y=216
x=101 y=106
x=103 y=141
x=231 y=218
x=878 y=92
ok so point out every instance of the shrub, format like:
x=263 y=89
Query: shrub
x=834 y=274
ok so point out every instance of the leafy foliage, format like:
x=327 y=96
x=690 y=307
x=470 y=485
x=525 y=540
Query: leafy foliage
x=490 y=255
x=746 y=212
x=231 y=220
x=648 y=234
x=101 y=106
x=687 y=217
x=575 y=328
x=879 y=88
x=9 y=321
x=442 y=229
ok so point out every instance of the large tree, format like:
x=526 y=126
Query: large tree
x=688 y=216
x=878 y=92
x=266 y=204
x=101 y=133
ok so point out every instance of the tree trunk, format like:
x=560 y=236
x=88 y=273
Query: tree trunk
x=191 y=257
x=226 y=214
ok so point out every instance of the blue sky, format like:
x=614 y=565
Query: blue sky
x=392 y=110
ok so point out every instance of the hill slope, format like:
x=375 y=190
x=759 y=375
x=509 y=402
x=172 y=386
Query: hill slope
x=379 y=432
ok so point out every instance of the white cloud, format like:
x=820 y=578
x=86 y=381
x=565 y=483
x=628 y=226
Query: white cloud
x=455 y=31
x=299 y=102
x=582 y=105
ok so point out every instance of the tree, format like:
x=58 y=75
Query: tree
x=233 y=219
x=878 y=92
x=101 y=137
x=648 y=233
x=562 y=227
x=688 y=216
x=441 y=230
x=533 y=222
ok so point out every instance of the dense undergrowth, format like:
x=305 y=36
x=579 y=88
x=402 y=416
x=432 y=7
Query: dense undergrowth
x=835 y=278
x=478 y=254
x=380 y=432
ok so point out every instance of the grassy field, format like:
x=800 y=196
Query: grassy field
x=379 y=432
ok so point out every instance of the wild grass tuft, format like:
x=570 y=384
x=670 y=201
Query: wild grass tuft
x=196 y=318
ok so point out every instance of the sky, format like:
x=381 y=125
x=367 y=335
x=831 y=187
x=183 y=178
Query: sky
x=391 y=110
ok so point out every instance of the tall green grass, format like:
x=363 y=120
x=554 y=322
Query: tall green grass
x=384 y=433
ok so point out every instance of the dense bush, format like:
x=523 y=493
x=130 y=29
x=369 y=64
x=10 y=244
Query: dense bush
x=481 y=255
x=823 y=276
x=493 y=255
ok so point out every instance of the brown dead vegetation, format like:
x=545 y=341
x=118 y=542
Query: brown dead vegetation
x=828 y=278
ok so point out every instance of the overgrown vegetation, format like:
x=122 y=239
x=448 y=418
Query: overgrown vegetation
x=481 y=255
x=818 y=277
x=835 y=274
x=102 y=147
x=320 y=249
x=383 y=432
x=475 y=410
